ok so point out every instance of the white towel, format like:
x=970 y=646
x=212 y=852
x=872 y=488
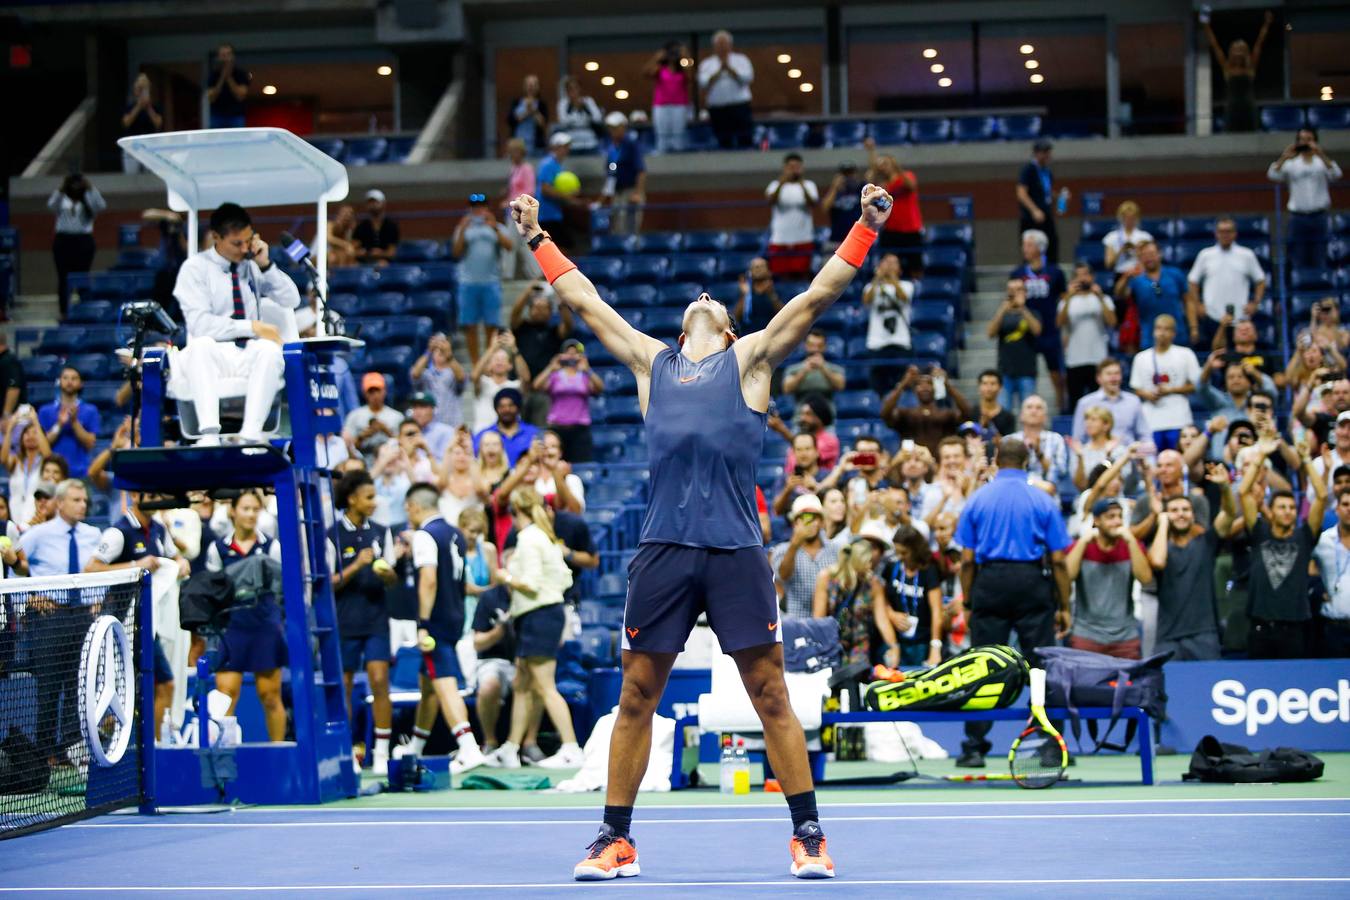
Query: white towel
x=595 y=770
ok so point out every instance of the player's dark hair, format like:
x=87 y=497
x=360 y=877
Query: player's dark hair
x=907 y=537
x=991 y=373
x=424 y=495
x=1012 y=453
x=348 y=485
x=1340 y=472
x=228 y=218
x=1254 y=394
x=1276 y=495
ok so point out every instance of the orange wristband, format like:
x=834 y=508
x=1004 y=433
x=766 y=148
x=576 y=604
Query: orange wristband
x=853 y=249
x=552 y=261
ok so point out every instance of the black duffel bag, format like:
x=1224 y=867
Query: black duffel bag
x=1216 y=761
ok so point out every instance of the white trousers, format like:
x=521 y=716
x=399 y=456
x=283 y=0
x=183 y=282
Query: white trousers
x=206 y=366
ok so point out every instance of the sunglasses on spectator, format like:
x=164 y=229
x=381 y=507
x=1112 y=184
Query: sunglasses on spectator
x=807 y=517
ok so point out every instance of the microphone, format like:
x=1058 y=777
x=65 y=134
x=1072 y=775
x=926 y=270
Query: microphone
x=297 y=251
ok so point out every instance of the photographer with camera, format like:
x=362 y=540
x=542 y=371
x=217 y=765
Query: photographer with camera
x=1016 y=329
x=570 y=383
x=76 y=203
x=1308 y=171
x=792 y=233
x=220 y=291
x=1084 y=316
x=477 y=243
x=670 y=95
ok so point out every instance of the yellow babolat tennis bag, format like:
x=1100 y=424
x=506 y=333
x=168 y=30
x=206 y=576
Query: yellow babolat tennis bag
x=990 y=677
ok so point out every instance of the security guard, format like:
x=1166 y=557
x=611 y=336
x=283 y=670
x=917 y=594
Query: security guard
x=1009 y=530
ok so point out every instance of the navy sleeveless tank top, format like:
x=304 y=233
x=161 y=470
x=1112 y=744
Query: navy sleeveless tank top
x=704 y=445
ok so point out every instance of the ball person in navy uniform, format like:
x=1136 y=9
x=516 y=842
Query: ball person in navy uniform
x=701 y=548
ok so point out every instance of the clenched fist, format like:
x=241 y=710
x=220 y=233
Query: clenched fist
x=525 y=213
x=873 y=216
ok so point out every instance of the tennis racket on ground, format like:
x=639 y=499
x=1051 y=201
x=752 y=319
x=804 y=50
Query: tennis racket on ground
x=1038 y=757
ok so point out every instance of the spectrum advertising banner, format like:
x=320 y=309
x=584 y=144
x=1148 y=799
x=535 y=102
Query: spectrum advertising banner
x=1259 y=704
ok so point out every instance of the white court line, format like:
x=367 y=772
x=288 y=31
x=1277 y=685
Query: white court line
x=330 y=809
x=633 y=884
x=423 y=823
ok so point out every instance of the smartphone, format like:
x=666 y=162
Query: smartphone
x=1230 y=309
x=864 y=459
x=907 y=445
x=799 y=470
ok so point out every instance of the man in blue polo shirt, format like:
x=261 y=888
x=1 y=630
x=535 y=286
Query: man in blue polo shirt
x=552 y=203
x=1009 y=530
x=1159 y=290
x=625 y=177
x=516 y=435
x=71 y=424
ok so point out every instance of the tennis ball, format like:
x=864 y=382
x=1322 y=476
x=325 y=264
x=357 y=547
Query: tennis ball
x=566 y=183
x=381 y=566
x=428 y=644
x=5 y=543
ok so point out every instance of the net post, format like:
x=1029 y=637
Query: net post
x=146 y=688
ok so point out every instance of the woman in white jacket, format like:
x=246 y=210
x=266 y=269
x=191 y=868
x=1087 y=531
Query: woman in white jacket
x=537 y=575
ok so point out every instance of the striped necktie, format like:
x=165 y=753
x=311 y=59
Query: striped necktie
x=238 y=297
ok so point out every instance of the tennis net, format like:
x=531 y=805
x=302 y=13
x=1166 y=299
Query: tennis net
x=70 y=699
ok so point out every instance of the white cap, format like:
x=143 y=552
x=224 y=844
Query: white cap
x=560 y=139
x=375 y=194
x=1343 y=417
x=616 y=119
x=874 y=530
x=806 y=503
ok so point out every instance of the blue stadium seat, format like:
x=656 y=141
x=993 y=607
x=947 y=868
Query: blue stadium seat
x=930 y=131
x=783 y=135
x=409 y=331
x=699 y=137
x=607 y=270
x=1251 y=228
x=332 y=146
x=837 y=321
x=103 y=396
x=848 y=432
x=889 y=132
x=664 y=323
x=663 y=242
x=612 y=244
x=1282 y=118
x=92 y=366
x=1096 y=229
x=1311 y=279
x=934 y=315
x=769 y=475
x=136 y=259
x=40 y=368
x=369 y=329
x=705 y=241
x=92 y=312
x=438 y=306
x=635 y=296
x=845 y=134
x=1183 y=253
x=974 y=128
x=399 y=148
x=417 y=251
x=1162 y=228
x=399 y=278
x=385 y=303
x=438 y=276
x=747 y=241
x=1329 y=118
x=945 y=261
x=961 y=234
x=1019 y=127
x=1300 y=305
x=598 y=643
x=344 y=304
x=351 y=280
x=857 y=404
x=612 y=584
x=857 y=349
x=1193 y=228
x=618 y=381
x=62 y=341
x=731 y=266
x=1091 y=252
x=931 y=288
x=621 y=410
x=930 y=345
x=392 y=361
x=361 y=151
x=646 y=270
x=701 y=268
x=725 y=291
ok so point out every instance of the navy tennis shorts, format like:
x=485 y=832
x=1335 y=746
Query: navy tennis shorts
x=539 y=632
x=442 y=662
x=670 y=584
x=365 y=648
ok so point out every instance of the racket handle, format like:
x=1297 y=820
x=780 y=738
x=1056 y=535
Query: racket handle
x=1038 y=687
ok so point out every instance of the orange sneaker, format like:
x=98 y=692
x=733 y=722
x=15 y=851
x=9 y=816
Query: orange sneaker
x=611 y=856
x=809 y=859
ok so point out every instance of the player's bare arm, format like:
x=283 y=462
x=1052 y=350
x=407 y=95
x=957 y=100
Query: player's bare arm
x=760 y=353
x=630 y=346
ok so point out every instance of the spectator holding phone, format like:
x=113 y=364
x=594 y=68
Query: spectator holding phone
x=438 y=374
x=670 y=96
x=813 y=375
x=888 y=301
x=792 y=239
x=570 y=383
x=499 y=368
x=798 y=562
x=1016 y=328
x=477 y=243
x=1122 y=243
x=806 y=474
x=1085 y=316
x=1044 y=286
x=1324 y=326
x=1308 y=171
x=24 y=463
x=926 y=422
x=1164 y=377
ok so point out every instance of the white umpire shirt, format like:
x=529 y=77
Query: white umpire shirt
x=206 y=295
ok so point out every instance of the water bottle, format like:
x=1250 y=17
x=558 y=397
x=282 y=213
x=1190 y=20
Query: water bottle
x=1062 y=205
x=740 y=779
x=727 y=769
x=166 y=729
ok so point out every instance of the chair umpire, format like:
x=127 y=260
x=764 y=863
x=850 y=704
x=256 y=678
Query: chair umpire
x=1013 y=574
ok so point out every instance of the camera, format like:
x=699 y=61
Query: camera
x=1301 y=148
x=477 y=199
x=144 y=313
x=799 y=470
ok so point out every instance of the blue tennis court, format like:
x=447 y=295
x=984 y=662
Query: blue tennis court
x=1148 y=848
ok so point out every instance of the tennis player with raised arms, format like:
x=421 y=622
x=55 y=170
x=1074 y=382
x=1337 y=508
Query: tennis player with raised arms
x=701 y=548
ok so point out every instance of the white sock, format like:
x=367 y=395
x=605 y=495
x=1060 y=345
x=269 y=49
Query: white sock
x=382 y=745
x=464 y=736
x=419 y=741
x=509 y=749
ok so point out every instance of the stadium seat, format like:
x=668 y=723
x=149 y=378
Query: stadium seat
x=618 y=381
x=103 y=396
x=930 y=131
x=136 y=259
x=1329 y=118
x=845 y=134
x=635 y=296
x=934 y=315
x=599 y=642
x=1185 y=252
x=1096 y=229
x=1282 y=118
x=62 y=341
x=1310 y=279
x=408 y=331
x=620 y=410
x=783 y=135
x=890 y=132
x=1019 y=128
x=705 y=241
x=344 y=304
x=930 y=345
x=399 y=148
x=663 y=323
x=960 y=234
x=92 y=312
x=40 y=368
x=945 y=261
x=699 y=137
x=607 y=270
x=701 y=268
x=769 y=475
x=1162 y=228
x=399 y=278
x=416 y=251
x=662 y=242
x=332 y=146
x=838 y=322
x=974 y=128
x=930 y=288
x=747 y=241
x=438 y=306
x=612 y=244
x=1091 y=252
x=393 y=362
x=438 y=276
x=857 y=405
x=351 y=280
x=1251 y=227
x=93 y=366
x=646 y=270
x=385 y=303
x=1300 y=305
x=367 y=328
x=361 y=151
x=731 y=266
